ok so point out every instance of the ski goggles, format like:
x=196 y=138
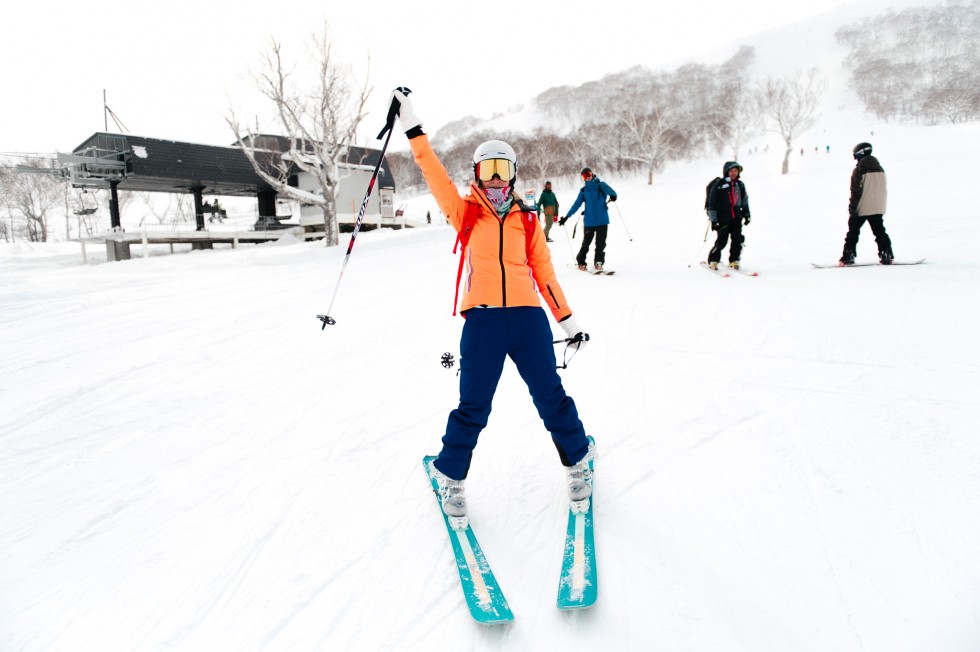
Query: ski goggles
x=491 y=167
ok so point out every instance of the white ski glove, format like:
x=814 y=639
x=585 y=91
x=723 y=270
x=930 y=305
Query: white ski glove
x=576 y=337
x=406 y=114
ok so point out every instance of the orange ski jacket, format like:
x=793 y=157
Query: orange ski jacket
x=502 y=269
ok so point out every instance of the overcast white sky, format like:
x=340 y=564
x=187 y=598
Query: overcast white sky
x=174 y=70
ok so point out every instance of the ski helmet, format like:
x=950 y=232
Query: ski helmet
x=586 y=171
x=861 y=150
x=495 y=149
x=729 y=165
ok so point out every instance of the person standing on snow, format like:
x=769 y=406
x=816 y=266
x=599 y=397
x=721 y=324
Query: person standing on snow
x=593 y=194
x=506 y=271
x=548 y=203
x=728 y=209
x=868 y=199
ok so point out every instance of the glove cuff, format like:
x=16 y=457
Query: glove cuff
x=570 y=326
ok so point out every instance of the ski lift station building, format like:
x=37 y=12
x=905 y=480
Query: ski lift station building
x=137 y=163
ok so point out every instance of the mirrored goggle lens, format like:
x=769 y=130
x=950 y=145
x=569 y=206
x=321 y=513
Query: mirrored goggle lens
x=485 y=170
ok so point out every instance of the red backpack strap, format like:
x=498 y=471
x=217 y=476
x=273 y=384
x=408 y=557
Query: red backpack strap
x=530 y=224
x=470 y=216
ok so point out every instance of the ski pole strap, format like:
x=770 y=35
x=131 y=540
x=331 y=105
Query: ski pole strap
x=565 y=358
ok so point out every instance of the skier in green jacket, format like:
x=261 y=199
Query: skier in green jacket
x=548 y=203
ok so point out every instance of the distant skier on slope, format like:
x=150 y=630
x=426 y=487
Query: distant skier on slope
x=593 y=194
x=548 y=203
x=728 y=210
x=506 y=270
x=869 y=195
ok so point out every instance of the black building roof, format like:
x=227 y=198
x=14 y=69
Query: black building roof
x=158 y=165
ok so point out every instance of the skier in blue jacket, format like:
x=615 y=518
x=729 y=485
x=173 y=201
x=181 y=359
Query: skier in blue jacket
x=594 y=194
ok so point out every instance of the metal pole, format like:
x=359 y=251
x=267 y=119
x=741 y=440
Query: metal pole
x=698 y=254
x=626 y=228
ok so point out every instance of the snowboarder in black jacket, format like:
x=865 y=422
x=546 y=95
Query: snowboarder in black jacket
x=728 y=210
x=869 y=197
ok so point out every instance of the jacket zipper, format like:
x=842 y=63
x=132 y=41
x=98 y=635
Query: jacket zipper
x=503 y=273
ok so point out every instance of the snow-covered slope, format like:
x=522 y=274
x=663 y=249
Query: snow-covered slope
x=789 y=462
x=779 y=52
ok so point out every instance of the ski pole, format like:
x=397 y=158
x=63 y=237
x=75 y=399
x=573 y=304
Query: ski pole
x=571 y=249
x=698 y=254
x=389 y=127
x=626 y=228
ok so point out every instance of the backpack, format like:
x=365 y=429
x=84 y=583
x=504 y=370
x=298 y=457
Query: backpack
x=528 y=219
x=707 y=192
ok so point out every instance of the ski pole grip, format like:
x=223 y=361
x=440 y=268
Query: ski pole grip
x=390 y=120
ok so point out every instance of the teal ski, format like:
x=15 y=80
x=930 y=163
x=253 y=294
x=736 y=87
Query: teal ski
x=578 y=586
x=484 y=598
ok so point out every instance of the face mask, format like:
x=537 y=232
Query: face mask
x=497 y=196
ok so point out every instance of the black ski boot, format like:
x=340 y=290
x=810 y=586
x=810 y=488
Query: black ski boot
x=886 y=257
x=847 y=258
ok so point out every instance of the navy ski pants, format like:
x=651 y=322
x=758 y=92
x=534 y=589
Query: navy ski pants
x=490 y=336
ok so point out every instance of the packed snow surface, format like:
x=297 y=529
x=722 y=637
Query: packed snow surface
x=787 y=462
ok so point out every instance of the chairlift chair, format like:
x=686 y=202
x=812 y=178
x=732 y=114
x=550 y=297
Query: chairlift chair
x=86 y=210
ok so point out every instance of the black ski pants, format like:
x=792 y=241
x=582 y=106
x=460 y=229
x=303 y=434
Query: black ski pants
x=727 y=228
x=599 y=233
x=877 y=223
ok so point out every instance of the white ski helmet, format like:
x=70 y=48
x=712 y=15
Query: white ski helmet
x=494 y=149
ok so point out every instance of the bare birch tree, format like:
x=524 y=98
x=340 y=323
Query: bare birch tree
x=31 y=197
x=728 y=111
x=541 y=156
x=790 y=106
x=320 y=126
x=920 y=63
x=745 y=124
x=649 y=118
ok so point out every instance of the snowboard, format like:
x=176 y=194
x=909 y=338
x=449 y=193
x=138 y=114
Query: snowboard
x=894 y=262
